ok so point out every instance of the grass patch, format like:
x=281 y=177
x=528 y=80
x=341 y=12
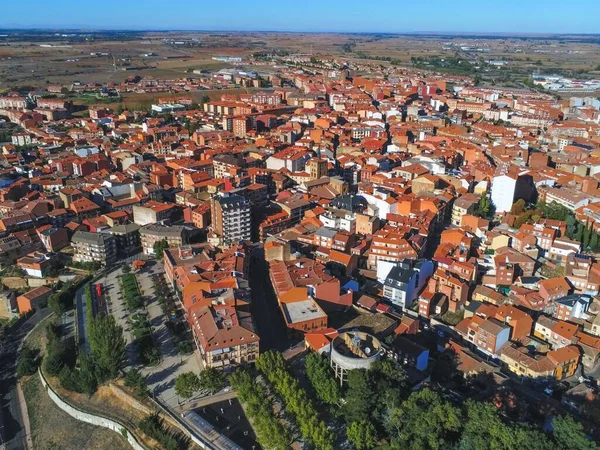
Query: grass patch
x=131 y=291
x=453 y=318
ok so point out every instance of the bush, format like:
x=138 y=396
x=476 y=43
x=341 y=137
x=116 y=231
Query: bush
x=58 y=353
x=135 y=380
x=154 y=427
x=185 y=347
x=28 y=361
x=89 y=266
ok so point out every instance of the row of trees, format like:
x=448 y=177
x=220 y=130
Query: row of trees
x=270 y=431
x=318 y=373
x=297 y=402
x=102 y=364
x=210 y=379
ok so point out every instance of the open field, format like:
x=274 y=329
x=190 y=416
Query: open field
x=87 y=58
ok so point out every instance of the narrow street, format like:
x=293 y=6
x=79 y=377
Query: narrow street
x=265 y=309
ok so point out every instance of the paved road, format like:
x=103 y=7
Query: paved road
x=13 y=429
x=265 y=309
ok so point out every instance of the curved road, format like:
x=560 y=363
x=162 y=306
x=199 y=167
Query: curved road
x=12 y=429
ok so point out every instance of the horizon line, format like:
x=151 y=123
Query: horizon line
x=99 y=28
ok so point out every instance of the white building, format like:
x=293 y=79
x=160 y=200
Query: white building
x=406 y=280
x=510 y=184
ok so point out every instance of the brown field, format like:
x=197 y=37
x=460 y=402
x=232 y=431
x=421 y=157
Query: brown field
x=52 y=428
x=33 y=65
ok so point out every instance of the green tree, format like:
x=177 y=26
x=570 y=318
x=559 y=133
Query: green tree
x=126 y=268
x=321 y=378
x=108 y=347
x=579 y=233
x=424 y=421
x=159 y=248
x=484 y=429
x=57 y=351
x=56 y=305
x=518 y=207
x=362 y=435
x=484 y=208
x=212 y=379
x=85 y=375
x=587 y=234
x=571 y=226
x=569 y=434
x=388 y=380
x=135 y=380
x=28 y=361
x=594 y=240
x=359 y=396
x=187 y=384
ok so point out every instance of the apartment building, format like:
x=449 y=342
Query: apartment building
x=128 y=239
x=94 y=247
x=176 y=236
x=558 y=364
x=406 y=280
x=452 y=286
x=231 y=219
x=389 y=245
x=463 y=205
x=225 y=337
x=489 y=335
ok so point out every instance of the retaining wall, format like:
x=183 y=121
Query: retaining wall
x=90 y=418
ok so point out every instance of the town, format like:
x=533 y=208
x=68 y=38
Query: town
x=323 y=253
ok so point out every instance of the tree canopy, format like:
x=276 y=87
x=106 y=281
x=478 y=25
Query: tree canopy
x=108 y=346
x=187 y=384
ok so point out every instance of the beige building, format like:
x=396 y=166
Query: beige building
x=225 y=337
x=176 y=236
x=94 y=247
x=464 y=205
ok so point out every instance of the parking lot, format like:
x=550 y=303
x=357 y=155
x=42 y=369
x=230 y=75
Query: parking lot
x=229 y=419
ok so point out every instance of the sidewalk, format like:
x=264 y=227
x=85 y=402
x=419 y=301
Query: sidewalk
x=25 y=416
x=161 y=378
x=116 y=306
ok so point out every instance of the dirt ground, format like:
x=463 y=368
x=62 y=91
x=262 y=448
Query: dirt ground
x=14 y=282
x=53 y=429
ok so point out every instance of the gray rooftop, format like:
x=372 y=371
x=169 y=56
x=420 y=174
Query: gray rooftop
x=302 y=311
x=85 y=237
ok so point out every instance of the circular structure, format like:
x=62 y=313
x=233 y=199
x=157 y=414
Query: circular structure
x=354 y=350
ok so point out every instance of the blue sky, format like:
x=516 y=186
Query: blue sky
x=512 y=16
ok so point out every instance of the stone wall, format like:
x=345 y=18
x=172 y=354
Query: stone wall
x=90 y=418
